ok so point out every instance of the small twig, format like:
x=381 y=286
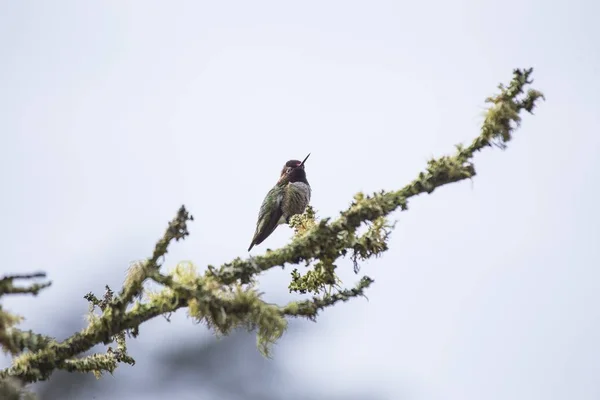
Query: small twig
x=176 y=230
x=7 y=284
x=310 y=308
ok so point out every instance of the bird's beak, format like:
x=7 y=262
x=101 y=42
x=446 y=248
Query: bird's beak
x=302 y=163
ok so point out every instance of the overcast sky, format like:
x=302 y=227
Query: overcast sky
x=114 y=113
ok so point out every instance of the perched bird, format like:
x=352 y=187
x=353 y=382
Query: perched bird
x=289 y=197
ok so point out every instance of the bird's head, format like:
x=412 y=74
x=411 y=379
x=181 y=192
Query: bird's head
x=293 y=171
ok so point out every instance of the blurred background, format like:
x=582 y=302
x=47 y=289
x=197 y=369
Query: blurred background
x=114 y=113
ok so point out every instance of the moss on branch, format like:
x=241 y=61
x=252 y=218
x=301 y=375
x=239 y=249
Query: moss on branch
x=311 y=308
x=226 y=298
x=328 y=239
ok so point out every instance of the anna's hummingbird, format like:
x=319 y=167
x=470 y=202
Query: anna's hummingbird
x=289 y=197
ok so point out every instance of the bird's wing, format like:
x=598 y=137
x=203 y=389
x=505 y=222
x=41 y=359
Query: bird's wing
x=267 y=223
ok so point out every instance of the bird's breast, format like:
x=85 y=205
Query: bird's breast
x=296 y=198
x=300 y=187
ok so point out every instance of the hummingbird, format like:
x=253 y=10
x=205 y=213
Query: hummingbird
x=289 y=196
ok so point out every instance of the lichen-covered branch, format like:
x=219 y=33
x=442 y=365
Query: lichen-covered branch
x=177 y=230
x=7 y=284
x=310 y=308
x=226 y=298
x=334 y=239
x=15 y=341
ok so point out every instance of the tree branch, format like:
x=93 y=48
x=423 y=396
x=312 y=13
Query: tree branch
x=332 y=240
x=225 y=298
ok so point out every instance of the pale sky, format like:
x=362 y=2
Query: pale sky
x=114 y=113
